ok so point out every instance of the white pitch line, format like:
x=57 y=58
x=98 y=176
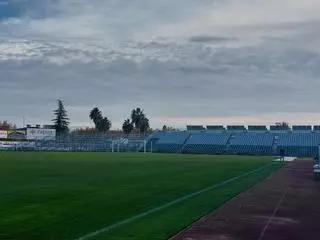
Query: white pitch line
x=264 y=230
x=169 y=204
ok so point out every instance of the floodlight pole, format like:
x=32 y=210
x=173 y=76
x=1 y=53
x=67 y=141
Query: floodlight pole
x=145 y=146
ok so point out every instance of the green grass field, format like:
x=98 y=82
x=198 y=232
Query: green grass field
x=68 y=195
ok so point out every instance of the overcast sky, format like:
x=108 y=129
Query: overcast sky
x=183 y=61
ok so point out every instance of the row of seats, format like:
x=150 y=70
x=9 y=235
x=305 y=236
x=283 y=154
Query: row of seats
x=251 y=143
x=206 y=143
x=170 y=142
x=249 y=150
x=259 y=139
x=299 y=139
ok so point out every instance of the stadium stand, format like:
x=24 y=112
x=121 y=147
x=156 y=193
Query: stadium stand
x=251 y=143
x=171 y=142
x=257 y=140
x=277 y=128
x=302 y=128
x=236 y=128
x=195 y=128
x=299 y=144
x=153 y=139
x=211 y=143
x=215 y=128
x=257 y=128
x=316 y=128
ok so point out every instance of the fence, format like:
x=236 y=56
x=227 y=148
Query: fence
x=77 y=145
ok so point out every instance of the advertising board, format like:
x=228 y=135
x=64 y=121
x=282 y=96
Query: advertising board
x=41 y=134
x=3 y=134
x=14 y=145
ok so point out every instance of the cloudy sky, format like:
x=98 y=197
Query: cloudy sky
x=183 y=61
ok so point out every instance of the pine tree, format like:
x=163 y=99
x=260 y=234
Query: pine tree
x=61 y=121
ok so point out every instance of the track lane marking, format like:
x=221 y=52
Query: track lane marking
x=276 y=209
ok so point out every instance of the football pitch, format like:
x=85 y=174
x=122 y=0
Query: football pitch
x=121 y=196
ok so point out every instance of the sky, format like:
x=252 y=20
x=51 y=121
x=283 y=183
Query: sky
x=184 y=61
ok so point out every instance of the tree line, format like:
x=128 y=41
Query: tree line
x=5 y=125
x=137 y=121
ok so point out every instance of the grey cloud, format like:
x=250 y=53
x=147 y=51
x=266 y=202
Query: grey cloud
x=121 y=55
x=211 y=39
x=191 y=92
x=288 y=25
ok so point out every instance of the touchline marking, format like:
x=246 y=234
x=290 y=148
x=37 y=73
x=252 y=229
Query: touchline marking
x=169 y=204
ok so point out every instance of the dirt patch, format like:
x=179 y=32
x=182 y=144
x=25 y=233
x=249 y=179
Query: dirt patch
x=284 y=206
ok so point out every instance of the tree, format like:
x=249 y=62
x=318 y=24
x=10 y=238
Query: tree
x=166 y=128
x=101 y=123
x=80 y=131
x=96 y=116
x=144 y=126
x=137 y=117
x=104 y=125
x=61 y=121
x=127 y=126
x=7 y=126
x=283 y=125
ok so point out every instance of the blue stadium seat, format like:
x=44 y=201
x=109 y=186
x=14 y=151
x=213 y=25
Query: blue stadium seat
x=251 y=143
x=299 y=144
x=171 y=142
x=211 y=143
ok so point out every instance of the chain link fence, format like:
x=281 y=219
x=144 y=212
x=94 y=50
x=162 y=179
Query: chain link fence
x=78 y=144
